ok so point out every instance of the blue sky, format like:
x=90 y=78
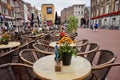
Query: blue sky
x=59 y=4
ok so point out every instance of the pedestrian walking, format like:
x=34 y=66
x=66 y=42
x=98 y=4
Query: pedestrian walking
x=96 y=26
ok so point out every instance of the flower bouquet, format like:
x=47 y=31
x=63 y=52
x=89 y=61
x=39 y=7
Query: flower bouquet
x=65 y=51
x=65 y=39
x=5 y=38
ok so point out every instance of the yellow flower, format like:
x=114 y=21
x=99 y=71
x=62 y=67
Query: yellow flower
x=5 y=35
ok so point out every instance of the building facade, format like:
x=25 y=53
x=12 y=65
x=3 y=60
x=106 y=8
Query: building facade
x=26 y=14
x=19 y=12
x=15 y=12
x=76 y=10
x=7 y=11
x=63 y=15
x=29 y=11
x=47 y=11
x=79 y=13
x=106 y=13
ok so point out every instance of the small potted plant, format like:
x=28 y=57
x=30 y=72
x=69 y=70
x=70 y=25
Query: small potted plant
x=5 y=38
x=65 y=52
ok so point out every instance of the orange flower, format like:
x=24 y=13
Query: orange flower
x=65 y=39
x=5 y=36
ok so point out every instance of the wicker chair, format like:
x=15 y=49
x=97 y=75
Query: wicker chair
x=43 y=41
x=43 y=48
x=81 y=45
x=31 y=43
x=20 y=48
x=48 y=37
x=101 y=72
x=16 y=53
x=106 y=57
x=15 y=36
x=90 y=51
x=29 y=56
x=7 y=56
x=25 y=39
x=16 y=71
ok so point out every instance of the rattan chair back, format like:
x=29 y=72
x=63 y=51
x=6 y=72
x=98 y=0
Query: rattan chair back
x=15 y=71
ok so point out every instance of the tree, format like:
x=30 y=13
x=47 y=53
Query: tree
x=72 y=23
x=56 y=18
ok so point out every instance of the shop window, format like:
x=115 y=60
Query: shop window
x=116 y=5
x=12 y=3
x=107 y=9
x=4 y=10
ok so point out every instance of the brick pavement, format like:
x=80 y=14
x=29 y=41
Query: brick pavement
x=106 y=39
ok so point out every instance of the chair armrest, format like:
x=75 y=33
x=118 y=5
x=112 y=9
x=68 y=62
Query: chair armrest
x=104 y=64
x=82 y=44
x=46 y=53
x=26 y=61
x=87 y=52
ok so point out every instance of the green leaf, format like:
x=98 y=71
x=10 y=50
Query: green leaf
x=66 y=48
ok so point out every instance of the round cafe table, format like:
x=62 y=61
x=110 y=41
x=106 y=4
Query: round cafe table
x=53 y=44
x=79 y=69
x=9 y=45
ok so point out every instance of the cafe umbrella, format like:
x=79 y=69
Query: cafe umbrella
x=32 y=20
x=56 y=18
x=1 y=18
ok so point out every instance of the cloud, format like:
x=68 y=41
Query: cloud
x=59 y=4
